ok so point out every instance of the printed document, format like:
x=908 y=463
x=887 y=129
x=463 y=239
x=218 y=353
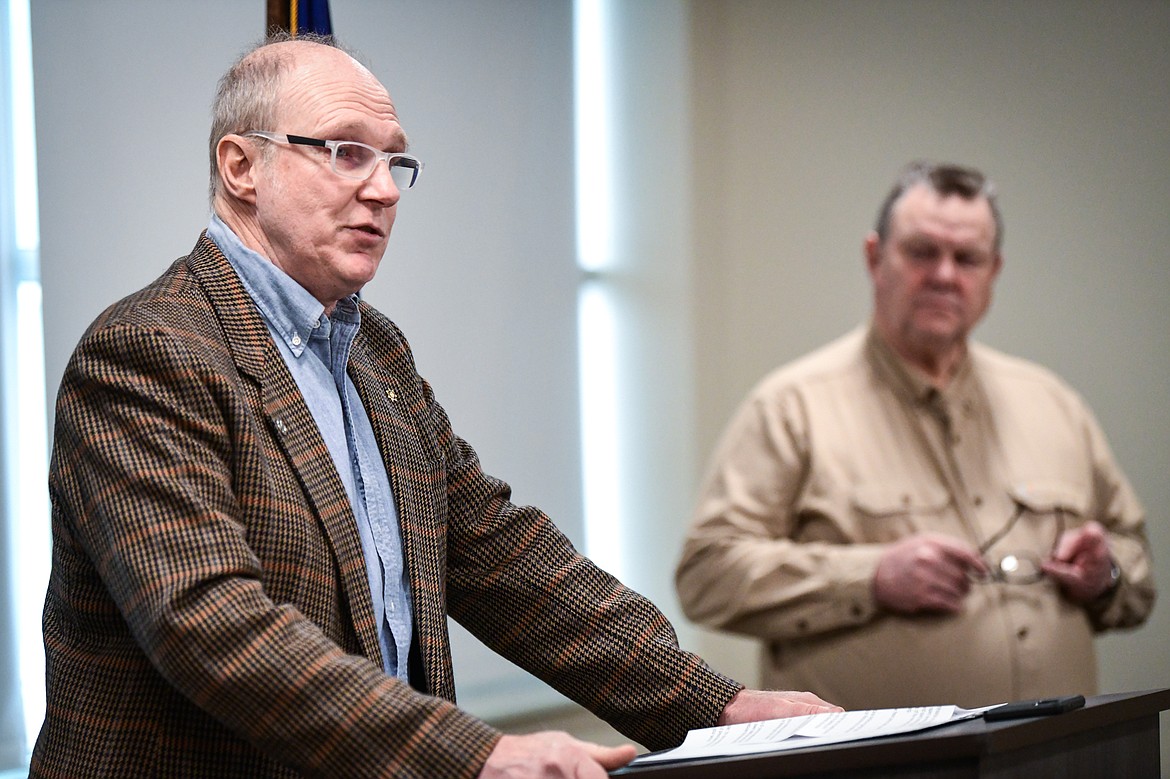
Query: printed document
x=808 y=731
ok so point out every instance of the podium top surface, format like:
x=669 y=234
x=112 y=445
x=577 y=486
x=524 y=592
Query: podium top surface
x=973 y=738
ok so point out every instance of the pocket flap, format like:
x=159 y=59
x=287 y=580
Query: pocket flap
x=882 y=500
x=1048 y=497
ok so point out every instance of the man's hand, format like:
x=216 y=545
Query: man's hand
x=1081 y=563
x=756 y=705
x=926 y=572
x=552 y=754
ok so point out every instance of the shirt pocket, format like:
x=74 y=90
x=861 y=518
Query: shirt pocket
x=885 y=512
x=1045 y=498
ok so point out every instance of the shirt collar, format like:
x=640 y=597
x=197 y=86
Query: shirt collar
x=291 y=311
x=910 y=382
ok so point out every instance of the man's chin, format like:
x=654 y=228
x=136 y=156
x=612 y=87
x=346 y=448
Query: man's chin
x=937 y=335
x=361 y=267
x=942 y=326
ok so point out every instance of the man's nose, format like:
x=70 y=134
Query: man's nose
x=946 y=269
x=380 y=185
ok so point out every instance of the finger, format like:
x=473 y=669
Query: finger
x=799 y=703
x=584 y=769
x=1078 y=584
x=1061 y=571
x=962 y=555
x=951 y=580
x=801 y=708
x=1091 y=540
x=1069 y=545
x=946 y=592
x=812 y=699
x=976 y=567
x=1073 y=579
x=756 y=705
x=957 y=590
x=950 y=556
x=611 y=757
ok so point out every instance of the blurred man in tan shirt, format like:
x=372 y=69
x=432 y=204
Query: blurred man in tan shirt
x=906 y=517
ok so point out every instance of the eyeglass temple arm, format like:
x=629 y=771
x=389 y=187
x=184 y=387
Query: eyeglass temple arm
x=1003 y=531
x=303 y=141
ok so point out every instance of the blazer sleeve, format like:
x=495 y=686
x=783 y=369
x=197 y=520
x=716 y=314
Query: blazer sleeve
x=517 y=584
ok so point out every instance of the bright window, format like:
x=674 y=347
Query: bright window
x=24 y=512
x=598 y=320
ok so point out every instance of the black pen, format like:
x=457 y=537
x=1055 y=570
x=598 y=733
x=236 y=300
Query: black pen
x=1034 y=708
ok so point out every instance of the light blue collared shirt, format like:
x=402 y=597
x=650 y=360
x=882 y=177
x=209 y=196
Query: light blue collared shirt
x=299 y=326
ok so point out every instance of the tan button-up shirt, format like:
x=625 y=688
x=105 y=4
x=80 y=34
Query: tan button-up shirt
x=832 y=458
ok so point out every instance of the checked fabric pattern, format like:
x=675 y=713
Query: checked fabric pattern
x=208 y=612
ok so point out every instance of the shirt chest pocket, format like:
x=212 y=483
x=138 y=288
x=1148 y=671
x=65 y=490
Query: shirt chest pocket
x=1047 y=498
x=886 y=512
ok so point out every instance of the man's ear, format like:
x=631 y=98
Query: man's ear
x=872 y=249
x=997 y=265
x=236 y=160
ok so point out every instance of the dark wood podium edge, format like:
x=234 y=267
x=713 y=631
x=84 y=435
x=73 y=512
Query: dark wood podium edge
x=954 y=741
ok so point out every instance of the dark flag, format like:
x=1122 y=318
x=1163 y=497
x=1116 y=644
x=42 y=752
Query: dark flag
x=300 y=16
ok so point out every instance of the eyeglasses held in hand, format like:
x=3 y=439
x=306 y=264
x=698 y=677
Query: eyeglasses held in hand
x=1017 y=567
x=354 y=160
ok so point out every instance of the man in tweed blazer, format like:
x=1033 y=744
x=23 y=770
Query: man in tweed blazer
x=233 y=546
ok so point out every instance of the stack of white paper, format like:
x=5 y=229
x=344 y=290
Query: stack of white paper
x=808 y=731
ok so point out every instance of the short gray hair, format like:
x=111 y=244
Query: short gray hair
x=945 y=179
x=249 y=93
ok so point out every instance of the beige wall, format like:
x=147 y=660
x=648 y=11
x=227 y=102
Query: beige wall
x=804 y=111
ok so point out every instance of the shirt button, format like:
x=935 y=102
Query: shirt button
x=296 y=339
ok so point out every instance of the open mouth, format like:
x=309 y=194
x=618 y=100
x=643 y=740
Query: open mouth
x=368 y=230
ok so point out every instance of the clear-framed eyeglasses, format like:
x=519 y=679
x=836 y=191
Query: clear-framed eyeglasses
x=1016 y=566
x=354 y=160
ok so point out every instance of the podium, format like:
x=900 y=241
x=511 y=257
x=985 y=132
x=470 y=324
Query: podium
x=1112 y=735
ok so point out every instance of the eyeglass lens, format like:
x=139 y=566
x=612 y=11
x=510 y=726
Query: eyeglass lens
x=357 y=161
x=1017 y=567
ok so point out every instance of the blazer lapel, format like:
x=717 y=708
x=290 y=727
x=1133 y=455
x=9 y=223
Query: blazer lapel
x=389 y=389
x=293 y=426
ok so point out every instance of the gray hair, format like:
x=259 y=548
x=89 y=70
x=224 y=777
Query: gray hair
x=945 y=179
x=249 y=93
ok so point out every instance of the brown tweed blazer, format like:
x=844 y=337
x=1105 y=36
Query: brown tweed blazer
x=208 y=613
